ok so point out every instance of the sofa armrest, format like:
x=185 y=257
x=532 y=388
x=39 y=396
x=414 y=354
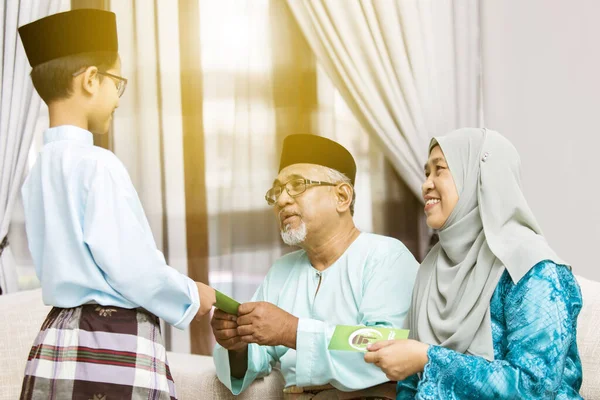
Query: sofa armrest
x=195 y=378
x=588 y=338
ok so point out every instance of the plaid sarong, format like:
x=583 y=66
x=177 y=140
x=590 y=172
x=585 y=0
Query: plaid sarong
x=94 y=352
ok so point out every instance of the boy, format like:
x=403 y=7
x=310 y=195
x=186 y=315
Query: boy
x=91 y=244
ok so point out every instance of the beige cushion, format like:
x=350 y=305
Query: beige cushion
x=195 y=378
x=21 y=316
x=588 y=338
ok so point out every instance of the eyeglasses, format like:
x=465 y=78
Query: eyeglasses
x=294 y=187
x=120 y=83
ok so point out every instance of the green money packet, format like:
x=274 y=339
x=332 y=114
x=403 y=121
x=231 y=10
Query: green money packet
x=357 y=338
x=226 y=303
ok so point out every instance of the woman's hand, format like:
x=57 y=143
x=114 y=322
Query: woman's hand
x=399 y=359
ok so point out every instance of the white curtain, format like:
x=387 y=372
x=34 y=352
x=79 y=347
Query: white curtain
x=408 y=69
x=147 y=129
x=336 y=122
x=240 y=142
x=239 y=136
x=384 y=204
x=19 y=108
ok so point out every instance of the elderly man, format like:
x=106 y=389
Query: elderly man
x=339 y=277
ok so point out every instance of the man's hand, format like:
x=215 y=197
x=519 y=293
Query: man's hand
x=207 y=298
x=224 y=328
x=267 y=325
x=399 y=359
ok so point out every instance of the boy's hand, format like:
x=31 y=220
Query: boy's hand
x=207 y=298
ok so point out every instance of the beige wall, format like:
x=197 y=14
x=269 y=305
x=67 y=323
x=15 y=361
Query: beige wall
x=541 y=70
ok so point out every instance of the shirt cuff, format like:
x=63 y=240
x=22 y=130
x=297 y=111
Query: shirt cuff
x=193 y=308
x=307 y=345
x=440 y=360
x=407 y=389
x=254 y=368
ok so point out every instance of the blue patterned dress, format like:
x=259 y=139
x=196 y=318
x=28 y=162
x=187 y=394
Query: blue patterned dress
x=534 y=326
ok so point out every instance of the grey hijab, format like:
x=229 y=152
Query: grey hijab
x=490 y=229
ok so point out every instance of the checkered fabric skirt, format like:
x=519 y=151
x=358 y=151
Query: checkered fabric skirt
x=97 y=352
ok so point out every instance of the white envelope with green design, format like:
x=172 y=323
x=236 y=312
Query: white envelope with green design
x=357 y=338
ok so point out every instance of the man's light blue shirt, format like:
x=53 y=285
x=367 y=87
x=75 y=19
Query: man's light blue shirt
x=370 y=284
x=89 y=237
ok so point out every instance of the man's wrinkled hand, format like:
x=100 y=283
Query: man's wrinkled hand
x=224 y=328
x=266 y=324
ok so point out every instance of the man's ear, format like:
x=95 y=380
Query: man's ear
x=344 y=193
x=89 y=81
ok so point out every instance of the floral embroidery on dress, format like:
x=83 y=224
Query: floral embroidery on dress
x=105 y=312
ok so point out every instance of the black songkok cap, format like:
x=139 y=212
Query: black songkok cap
x=313 y=149
x=68 y=33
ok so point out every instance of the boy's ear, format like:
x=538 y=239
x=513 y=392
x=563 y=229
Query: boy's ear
x=89 y=81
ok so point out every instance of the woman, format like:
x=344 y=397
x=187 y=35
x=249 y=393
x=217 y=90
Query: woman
x=494 y=310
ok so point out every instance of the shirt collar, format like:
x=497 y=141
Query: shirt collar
x=68 y=132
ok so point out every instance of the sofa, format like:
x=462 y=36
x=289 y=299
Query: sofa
x=22 y=313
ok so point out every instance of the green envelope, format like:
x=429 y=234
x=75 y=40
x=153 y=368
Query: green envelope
x=357 y=338
x=226 y=303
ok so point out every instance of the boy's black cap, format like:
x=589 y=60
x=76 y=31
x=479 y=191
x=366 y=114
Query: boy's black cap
x=68 y=33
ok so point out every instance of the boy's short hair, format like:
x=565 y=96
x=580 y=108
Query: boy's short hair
x=53 y=80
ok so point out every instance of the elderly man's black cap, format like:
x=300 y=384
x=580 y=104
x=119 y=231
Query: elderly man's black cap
x=313 y=149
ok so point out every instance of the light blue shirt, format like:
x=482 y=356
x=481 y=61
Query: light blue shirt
x=370 y=284
x=89 y=237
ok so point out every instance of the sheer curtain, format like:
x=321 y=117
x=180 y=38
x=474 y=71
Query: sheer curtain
x=384 y=203
x=147 y=134
x=408 y=69
x=240 y=142
x=19 y=113
x=235 y=132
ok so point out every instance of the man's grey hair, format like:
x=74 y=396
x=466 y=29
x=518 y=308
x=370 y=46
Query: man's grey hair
x=338 y=177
